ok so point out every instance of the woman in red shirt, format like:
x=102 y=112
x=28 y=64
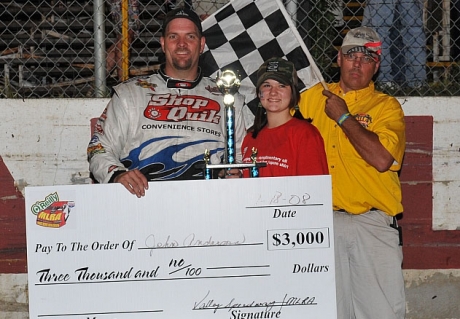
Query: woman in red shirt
x=288 y=143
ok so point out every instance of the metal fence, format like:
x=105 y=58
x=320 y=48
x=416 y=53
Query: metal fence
x=49 y=48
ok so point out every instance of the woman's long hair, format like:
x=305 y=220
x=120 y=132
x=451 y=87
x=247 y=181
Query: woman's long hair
x=260 y=119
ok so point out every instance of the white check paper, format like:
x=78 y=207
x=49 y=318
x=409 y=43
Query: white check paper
x=239 y=249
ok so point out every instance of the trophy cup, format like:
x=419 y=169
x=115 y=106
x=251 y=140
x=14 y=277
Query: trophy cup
x=228 y=84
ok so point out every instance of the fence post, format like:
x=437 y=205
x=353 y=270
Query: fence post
x=100 y=87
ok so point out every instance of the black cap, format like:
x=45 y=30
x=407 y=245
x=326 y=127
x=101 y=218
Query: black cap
x=182 y=13
x=277 y=69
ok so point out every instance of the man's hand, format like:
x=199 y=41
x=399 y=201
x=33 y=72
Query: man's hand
x=335 y=106
x=365 y=142
x=134 y=181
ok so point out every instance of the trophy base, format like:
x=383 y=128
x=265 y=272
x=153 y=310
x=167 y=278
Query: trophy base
x=229 y=166
x=210 y=168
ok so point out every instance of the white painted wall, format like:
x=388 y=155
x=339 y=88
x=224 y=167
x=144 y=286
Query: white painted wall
x=43 y=142
x=446 y=155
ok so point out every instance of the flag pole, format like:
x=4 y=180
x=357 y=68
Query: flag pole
x=313 y=65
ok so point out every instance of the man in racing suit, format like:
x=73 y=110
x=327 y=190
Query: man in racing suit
x=158 y=127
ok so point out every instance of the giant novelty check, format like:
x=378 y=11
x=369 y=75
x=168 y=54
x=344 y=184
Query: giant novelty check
x=236 y=249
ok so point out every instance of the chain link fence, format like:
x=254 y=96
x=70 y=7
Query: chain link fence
x=47 y=48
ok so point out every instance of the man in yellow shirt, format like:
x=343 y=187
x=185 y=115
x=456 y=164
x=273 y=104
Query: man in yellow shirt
x=364 y=137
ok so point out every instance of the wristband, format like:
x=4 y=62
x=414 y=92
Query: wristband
x=343 y=118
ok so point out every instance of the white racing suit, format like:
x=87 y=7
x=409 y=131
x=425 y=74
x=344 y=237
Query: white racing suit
x=162 y=127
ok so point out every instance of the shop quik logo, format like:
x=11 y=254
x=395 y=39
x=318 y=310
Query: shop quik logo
x=177 y=108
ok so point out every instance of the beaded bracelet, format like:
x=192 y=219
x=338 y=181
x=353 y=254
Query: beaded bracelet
x=343 y=118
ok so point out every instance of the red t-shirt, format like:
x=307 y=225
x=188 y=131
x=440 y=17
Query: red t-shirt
x=294 y=148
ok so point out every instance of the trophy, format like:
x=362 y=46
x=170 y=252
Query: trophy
x=207 y=170
x=254 y=171
x=228 y=84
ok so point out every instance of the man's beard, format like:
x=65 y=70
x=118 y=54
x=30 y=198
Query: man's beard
x=182 y=65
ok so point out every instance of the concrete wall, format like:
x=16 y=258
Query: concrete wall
x=43 y=142
x=446 y=152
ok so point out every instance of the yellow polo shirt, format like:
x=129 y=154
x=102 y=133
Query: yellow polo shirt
x=357 y=186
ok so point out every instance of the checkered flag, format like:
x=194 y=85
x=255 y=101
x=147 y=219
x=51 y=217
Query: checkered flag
x=245 y=33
